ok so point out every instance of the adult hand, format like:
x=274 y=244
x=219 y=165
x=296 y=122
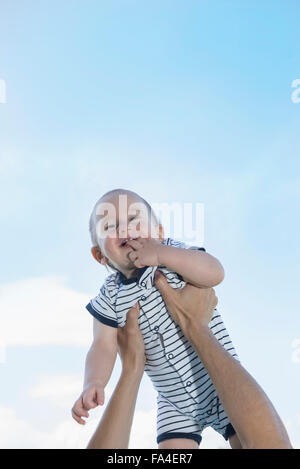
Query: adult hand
x=188 y=306
x=130 y=342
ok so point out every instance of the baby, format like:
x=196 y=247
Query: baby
x=127 y=236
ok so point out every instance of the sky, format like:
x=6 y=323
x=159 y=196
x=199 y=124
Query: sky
x=187 y=102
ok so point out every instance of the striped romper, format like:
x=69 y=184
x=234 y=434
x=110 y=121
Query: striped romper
x=187 y=401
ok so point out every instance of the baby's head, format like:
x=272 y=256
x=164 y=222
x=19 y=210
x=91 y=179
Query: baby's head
x=117 y=216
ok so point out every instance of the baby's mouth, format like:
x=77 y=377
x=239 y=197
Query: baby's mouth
x=124 y=243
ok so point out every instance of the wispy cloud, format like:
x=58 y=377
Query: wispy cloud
x=43 y=311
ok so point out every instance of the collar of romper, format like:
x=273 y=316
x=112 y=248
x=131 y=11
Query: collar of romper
x=144 y=278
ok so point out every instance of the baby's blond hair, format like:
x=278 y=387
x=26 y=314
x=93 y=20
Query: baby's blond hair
x=93 y=218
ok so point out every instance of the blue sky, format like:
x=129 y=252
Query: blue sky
x=180 y=102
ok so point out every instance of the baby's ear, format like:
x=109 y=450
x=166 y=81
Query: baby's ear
x=97 y=254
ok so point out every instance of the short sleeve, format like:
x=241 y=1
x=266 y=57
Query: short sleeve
x=102 y=308
x=195 y=248
x=181 y=244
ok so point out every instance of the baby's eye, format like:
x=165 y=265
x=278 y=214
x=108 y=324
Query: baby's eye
x=133 y=218
x=109 y=227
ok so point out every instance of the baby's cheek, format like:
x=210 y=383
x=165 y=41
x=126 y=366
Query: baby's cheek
x=149 y=232
x=137 y=230
x=153 y=232
x=110 y=248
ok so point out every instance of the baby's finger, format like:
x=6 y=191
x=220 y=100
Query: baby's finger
x=89 y=404
x=143 y=240
x=133 y=256
x=77 y=417
x=134 y=244
x=80 y=409
x=89 y=400
x=100 y=397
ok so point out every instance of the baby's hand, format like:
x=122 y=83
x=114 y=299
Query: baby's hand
x=91 y=397
x=145 y=251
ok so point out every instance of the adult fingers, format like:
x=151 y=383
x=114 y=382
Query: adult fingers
x=168 y=293
x=132 y=316
x=214 y=298
x=131 y=325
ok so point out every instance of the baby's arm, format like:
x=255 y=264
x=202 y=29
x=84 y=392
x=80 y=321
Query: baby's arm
x=102 y=354
x=196 y=267
x=99 y=364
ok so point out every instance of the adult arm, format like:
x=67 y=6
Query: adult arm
x=250 y=411
x=113 y=431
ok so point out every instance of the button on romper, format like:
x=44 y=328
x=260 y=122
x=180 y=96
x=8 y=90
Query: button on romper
x=187 y=401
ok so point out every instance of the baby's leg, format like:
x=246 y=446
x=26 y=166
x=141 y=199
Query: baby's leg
x=174 y=429
x=235 y=442
x=178 y=443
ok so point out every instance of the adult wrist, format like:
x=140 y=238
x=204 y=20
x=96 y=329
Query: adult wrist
x=196 y=331
x=133 y=371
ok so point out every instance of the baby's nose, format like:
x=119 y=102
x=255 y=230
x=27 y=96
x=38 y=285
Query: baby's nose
x=123 y=232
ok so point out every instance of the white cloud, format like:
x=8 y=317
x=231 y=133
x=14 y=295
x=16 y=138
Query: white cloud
x=43 y=311
x=292 y=426
x=67 y=434
x=57 y=393
x=61 y=390
x=16 y=432
x=213 y=440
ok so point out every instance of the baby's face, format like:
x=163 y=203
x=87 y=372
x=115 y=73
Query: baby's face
x=125 y=217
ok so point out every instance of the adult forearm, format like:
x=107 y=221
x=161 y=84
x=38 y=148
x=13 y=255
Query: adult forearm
x=113 y=431
x=250 y=411
x=99 y=364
